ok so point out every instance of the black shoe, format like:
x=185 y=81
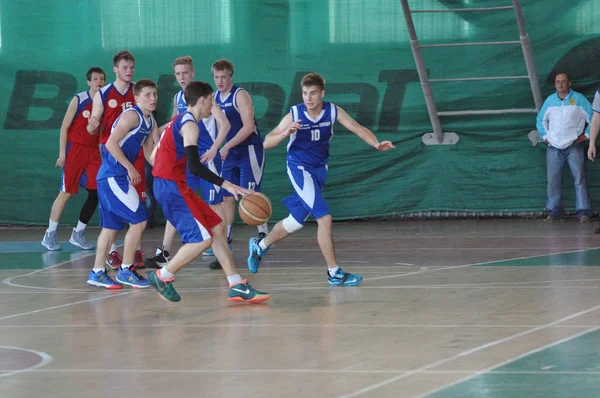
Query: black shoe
x=159 y=260
x=215 y=265
x=261 y=235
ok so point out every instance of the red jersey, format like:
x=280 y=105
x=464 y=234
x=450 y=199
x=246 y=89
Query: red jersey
x=114 y=103
x=77 y=133
x=170 y=160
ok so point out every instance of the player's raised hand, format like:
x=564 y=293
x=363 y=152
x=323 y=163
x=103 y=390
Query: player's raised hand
x=292 y=128
x=385 y=145
x=93 y=124
x=134 y=176
x=60 y=162
x=235 y=190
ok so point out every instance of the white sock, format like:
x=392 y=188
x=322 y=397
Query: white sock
x=262 y=244
x=96 y=270
x=229 y=233
x=234 y=279
x=139 y=246
x=332 y=271
x=264 y=229
x=80 y=226
x=113 y=248
x=126 y=266
x=164 y=274
x=52 y=226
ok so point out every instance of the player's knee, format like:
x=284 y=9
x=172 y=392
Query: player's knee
x=325 y=221
x=291 y=225
x=64 y=196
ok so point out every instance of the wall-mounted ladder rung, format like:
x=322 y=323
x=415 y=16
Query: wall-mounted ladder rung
x=476 y=43
x=460 y=79
x=487 y=112
x=464 y=9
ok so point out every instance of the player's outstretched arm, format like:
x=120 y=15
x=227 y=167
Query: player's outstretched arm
x=126 y=123
x=64 y=131
x=285 y=128
x=223 y=127
x=362 y=131
x=97 y=112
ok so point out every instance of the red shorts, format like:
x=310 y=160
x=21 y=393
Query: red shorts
x=81 y=168
x=140 y=166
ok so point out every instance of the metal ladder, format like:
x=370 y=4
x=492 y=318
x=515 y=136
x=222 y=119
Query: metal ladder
x=438 y=137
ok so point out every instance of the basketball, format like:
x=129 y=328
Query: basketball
x=255 y=209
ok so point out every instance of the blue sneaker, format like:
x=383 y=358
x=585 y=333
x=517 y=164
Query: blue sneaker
x=130 y=277
x=101 y=279
x=342 y=278
x=210 y=252
x=255 y=256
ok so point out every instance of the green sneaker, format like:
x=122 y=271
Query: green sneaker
x=164 y=288
x=244 y=293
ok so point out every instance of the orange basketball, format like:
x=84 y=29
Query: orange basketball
x=255 y=209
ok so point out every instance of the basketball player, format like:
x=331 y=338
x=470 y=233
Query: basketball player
x=197 y=224
x=112 y=100
x=119 y=201
x=213 y=131
x=79 y=160
x=310 y=128
x=242 y=155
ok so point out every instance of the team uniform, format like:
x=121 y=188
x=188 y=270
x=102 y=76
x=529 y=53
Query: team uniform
x=245 y=162
x=115 y=104
x=212 y=194
x=119 y=201
x=308 y=153
x=191 y=216
x=82 y=158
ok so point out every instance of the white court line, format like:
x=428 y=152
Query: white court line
x=454 y=248
x=474 y=350
x=46 y=359
x=480 y=372
x=63 y=306
x=296 y=326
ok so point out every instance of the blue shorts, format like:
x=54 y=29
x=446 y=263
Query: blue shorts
x=192 y=218
x=119 y=203
x=244 y=167
x=212 y=194
x=308 y=192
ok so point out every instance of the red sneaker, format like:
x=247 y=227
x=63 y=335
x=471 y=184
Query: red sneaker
x=138 y=261
x=114 y=260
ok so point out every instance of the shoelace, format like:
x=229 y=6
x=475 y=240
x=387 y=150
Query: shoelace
x=170 y=290
x=134 y=272
x=52 y=239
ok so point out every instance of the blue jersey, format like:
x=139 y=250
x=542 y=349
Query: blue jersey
x=309 y=146
x=208 y=133
x=229 y=106
x=130 y=145
x=180 y=102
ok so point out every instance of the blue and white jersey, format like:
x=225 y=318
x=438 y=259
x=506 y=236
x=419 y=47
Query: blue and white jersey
x=180 y=102
x=309 y=146
x=130 y=145
x=208 y=133
x=229 y=106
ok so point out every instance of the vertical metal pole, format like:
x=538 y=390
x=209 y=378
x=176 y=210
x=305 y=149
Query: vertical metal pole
x=422 y=70
x=528 y=54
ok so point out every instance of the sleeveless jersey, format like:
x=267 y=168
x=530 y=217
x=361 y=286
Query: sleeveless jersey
x=114 y=103
x=229 y=106
x=180 y=101
x=310 y=144
x=77 y=133
x=170 y=160
x=130 y=145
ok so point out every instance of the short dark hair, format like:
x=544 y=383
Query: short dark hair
x=123 y=55
x=196 y=90
x=142 y=84
x=95 y=69
x=563 y=73
x=313 y=79
x=223 y=64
